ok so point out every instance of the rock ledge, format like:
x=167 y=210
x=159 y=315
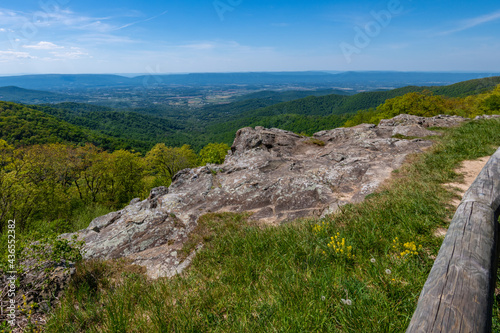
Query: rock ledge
x=278 y=175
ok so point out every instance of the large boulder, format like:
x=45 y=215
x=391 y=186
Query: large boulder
x=277 y=175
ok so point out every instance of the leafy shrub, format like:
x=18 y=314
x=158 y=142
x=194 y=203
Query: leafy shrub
x=214 y=153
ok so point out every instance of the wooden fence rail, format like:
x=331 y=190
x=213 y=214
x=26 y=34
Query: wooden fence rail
x=458 y=294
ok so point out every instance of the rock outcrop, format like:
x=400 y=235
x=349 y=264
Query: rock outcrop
x=277 y=175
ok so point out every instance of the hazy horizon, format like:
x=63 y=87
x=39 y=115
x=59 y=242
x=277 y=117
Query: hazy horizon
x=131 y=75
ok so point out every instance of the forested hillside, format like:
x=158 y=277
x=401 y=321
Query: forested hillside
x=140 y=130
x=285 y=96
x=427 y=104
x=21 y=125
x=341 y=104
x=20 y=95
x=467 y=88
x=311 y=114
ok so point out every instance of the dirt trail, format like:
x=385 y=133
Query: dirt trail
x=469 y=169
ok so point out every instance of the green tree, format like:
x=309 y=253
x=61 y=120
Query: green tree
x=93 y=174
x=492 y=103
x=165 y=162
x=125 y=175
x=35 y=182
x=213 y=153
x=423 y=104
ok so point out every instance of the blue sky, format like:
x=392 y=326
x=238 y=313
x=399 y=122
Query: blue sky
x=179 y=36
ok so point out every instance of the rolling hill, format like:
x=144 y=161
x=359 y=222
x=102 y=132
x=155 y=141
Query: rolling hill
x=142 y=129
x=28 y=96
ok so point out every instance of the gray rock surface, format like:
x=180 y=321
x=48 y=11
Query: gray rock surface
x=487 y=116
x=437 y=121
x=277 y=175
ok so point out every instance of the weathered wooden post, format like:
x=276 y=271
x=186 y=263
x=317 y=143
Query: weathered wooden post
x=458 y=294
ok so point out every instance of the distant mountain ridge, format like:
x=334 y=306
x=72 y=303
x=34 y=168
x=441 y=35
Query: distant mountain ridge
x=344 y=79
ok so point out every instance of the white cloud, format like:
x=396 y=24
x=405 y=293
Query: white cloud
x=2 y=30
x=75 y=53
x=14 y=55
x=43 y=46
x=473 y=22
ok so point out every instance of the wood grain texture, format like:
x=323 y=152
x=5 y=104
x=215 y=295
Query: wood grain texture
x=458 y=294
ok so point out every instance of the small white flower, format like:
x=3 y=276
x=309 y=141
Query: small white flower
x=388 y=271
x=348 y=302
x=373 y=260
x=343 y=301
x=323 y=298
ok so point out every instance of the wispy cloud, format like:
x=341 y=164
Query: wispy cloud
x=219 y=46
x=12 y=19
x=73 y=53
x=65 y=18
x=103 y=38
x=140 y=21
x=473 y=22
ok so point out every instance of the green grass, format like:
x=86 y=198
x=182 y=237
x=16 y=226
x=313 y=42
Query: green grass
x=292 y=278
x=314 y=141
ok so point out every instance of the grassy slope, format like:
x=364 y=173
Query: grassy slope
x=287 y=278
